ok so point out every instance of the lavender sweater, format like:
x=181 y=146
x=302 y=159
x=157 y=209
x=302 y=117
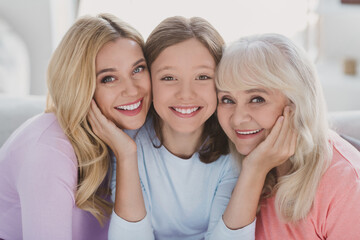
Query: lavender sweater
x=38 y=178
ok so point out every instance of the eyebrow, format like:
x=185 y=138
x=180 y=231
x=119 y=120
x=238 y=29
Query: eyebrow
x=253 y=90
x=171 y=67
x=114 y=69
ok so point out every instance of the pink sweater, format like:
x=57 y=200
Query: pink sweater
x=336 y=210
x=38 y=178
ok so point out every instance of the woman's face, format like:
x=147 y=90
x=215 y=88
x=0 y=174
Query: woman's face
x=247 y=117
x=122 y=83
x=183 y=86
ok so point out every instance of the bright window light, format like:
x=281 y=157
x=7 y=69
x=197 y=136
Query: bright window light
x=232 y=18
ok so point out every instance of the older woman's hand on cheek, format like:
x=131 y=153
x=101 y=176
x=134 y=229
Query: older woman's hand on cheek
x=276 y=149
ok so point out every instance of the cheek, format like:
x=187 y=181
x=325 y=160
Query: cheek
x=268 y=118
x=160 y=96
x=102 y=99
x=209 y=94
x=146 y=83
x=224 y=115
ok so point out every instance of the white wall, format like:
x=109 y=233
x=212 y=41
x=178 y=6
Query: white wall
x=41 y=24
x=339 y=39
x=31 y=21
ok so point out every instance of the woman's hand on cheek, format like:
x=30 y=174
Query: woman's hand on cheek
x=119 y=142
x=276 y=149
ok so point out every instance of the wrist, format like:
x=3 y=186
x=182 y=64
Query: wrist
x=255 y=170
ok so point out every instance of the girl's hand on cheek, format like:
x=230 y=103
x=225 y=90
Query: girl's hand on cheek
x=119 y=142
x=278 y=146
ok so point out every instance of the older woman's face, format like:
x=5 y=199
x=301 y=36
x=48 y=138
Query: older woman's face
x=247 y=117
x=123 y=83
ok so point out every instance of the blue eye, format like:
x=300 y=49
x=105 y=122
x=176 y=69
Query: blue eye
x=257 y=100
x=107 y=79
x=139 y=69
x=167 y=78
x=203 y=77
x=226 y=100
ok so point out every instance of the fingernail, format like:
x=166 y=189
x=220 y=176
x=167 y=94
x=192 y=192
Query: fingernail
x=281 y=118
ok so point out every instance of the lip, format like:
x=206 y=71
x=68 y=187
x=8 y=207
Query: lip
x=248 y=136
x=186 y=108
x=131 y=112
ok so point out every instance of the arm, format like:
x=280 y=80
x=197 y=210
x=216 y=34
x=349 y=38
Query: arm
x=273 y=151
x=129 y=216
x=46 y=185
x=217 y=229
x=342 y=219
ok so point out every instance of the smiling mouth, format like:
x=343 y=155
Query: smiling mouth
x=185 y=110
x=130 y=107
x=249 y=132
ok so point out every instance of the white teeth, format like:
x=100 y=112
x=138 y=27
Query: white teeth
x=249 y=132
x=187 y=110
x=129 y=107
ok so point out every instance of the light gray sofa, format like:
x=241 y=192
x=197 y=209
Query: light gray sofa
x=14 y=110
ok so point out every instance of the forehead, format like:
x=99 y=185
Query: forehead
x=122 y=49
x=273 y=93
x=189 y=53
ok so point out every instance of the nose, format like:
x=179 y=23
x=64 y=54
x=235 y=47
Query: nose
x=130 y=88
x=185 y=90
x=241 y=115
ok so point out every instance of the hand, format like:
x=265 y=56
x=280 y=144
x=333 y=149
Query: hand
x=277 y=148
x=119 y=142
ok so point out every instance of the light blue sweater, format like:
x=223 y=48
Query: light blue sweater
x=184 y=198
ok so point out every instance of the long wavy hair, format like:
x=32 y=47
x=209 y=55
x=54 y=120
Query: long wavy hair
x=174 y=30
x=273 y=61
x=71 y=80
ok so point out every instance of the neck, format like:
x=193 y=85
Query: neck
x=182 y=145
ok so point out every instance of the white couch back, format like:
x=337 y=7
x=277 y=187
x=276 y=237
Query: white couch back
x=14 y=110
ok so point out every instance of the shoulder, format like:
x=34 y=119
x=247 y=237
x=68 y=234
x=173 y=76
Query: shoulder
x=146 y=136
x=225 y=166
x=343 y=172
x=43 y=128
x=40 y=145
x=345 y=160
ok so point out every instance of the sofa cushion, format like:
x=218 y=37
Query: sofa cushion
x=14 y=110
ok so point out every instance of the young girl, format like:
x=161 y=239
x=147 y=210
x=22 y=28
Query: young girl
x=53 y=168
x=315 y=193
x=179 y=182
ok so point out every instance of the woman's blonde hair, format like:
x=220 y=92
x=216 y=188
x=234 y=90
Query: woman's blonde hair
x=273 y=61
x=174 y=30
x=71 y=80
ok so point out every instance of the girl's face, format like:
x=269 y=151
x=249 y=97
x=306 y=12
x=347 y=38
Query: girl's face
x=122 y=83
x=183 y=86
x=247 y=117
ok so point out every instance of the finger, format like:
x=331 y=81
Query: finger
x=284 y=131
x=293 y=141
x=275 y=131
x=93 y=119
x=96 y=110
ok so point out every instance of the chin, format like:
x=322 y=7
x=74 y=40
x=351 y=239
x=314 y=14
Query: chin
x=244 y=150
x=131 y=125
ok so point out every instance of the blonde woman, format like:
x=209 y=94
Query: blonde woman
x=315 y=193
x=54 y=181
